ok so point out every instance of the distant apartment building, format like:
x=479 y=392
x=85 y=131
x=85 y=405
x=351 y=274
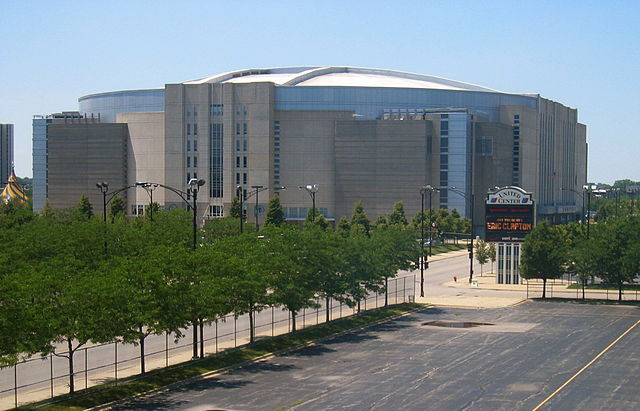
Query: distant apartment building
x=6 y=152
x=367 y=135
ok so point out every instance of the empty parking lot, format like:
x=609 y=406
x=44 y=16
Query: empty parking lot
x=514 y=359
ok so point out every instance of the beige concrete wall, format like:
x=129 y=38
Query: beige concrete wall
x=145 y=154
x=80 y=155
x=382 y=162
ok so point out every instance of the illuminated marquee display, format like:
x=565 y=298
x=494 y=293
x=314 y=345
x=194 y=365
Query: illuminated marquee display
x=509 y=214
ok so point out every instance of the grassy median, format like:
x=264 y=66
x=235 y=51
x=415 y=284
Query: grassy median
x=106 y=393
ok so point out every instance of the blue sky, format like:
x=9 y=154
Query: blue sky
x=580 y=53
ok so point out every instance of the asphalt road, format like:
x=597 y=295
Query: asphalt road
x=530 y=351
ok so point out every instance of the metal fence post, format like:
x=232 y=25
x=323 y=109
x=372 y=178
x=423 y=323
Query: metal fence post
x=365 y=303
x=51 y=367
x=15 y=384
x=341 y=308
x=116 y=362
x=317 y=312
x=304 y=314
x=272 y=320
x=166 y=349
x=235 y=328
x=86 y=369
x=216 y=335
x=403 y=289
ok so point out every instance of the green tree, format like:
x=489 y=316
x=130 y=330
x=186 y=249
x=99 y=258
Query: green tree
x=47 y=210
x=343 y=225
x=234 y=210
x=481 y=253
x=544 y=254
x=85 y=208
x=491 y=253
x=118 y=208
x=397 y=216
x=359 y=220
x=275 y=214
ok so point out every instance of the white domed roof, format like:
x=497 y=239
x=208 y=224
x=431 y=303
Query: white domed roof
x=339 y=77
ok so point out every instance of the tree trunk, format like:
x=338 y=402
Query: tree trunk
x=326 y=303
x=142 y=364
x=386 y=291
x=201 y=338
x=481 y=266
x=358 y=306
x=584 y=281
x=619 y=291
x=544 y=288
x=72 y=388
x=293 y=321
x=251 y=331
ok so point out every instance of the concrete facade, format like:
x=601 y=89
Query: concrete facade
x=80 y=153
x=6 y=152
x=366 y=135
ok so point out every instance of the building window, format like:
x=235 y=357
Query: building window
x=188 y=161
x=244 y=145
x=188 y=129
x=188 y=145
x=195 y=175
x=276 y=128
x=195 y=129
x=195 y=145
x=244 y=129
x=237 y=178
x=215 y=160
x=217 y=110
x=244 y=161
x=237 y=129
x=237 y=145
x=188 y=177
x=195 y=161
x=216 y=211
x=484 y=146
x=237 y=161
x=244 y=178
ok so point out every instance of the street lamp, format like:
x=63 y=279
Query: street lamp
x=255 y=211
x=149 y=187
x=258 y=189
x=589 y=188
x=424 y=262
x=312 y=189
x=470 y=199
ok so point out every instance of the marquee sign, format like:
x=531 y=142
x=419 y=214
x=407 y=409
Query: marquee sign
x=510 y=215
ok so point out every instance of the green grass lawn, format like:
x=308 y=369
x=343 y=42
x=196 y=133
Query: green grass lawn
x=445 y=248
x=610 y=287
x=106 y=393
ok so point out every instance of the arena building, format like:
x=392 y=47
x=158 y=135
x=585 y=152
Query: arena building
x=360 y=134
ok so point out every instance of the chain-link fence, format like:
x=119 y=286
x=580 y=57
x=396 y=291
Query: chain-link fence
x=570 y=286
x=45 y=377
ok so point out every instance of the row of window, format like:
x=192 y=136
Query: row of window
x=189 y=162
x=276 y=153
x=241 y=127
x=215 y=160
x=192 y=128
x=192 y=143
x=244 y=162
x=301 y=212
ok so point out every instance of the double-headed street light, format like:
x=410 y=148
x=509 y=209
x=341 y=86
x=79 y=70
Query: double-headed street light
x=424 y=261
x=149 y=187
x=470 y=199
x=257 y=189
x=312 y=189
x=104 y=189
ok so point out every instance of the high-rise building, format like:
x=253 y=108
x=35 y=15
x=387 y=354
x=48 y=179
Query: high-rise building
x=6 y=152
x=359 y=134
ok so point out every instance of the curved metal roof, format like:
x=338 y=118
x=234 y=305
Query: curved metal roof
x=339 y=77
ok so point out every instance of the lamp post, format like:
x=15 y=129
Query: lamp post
x=239 y=194
x=312 y=189
x=255 y=211
x=470 y=199
x=424 y=261
x=104 y=189
x=149 y=187
x=257 y=189
x=589 y=188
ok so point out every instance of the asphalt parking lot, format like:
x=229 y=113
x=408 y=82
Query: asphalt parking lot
x=528 y=352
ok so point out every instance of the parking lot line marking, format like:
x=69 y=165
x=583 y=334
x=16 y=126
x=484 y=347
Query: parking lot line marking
x=586 y=366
